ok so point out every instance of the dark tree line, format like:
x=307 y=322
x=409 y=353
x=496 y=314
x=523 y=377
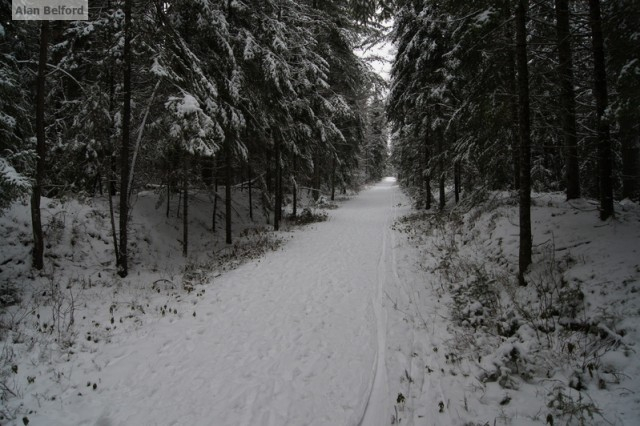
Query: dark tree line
x=517 y=95
x=189 y=93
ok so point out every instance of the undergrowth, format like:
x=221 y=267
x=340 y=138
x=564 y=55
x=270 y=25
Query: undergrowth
x=62 y=311
x=514 y=335
x=308 y=216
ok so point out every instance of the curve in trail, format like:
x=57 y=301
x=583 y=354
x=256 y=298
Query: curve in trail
x=295 y=338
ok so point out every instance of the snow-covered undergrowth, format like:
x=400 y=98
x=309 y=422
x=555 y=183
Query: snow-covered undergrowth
x=561 y=350
x=53 y=322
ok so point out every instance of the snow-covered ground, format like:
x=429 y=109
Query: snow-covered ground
x=380 y=315
x=562 y=350
x=295 y=337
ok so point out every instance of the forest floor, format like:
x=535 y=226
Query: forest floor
x=379 y=315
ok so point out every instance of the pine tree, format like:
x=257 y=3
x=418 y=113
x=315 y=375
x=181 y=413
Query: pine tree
x=16 y=152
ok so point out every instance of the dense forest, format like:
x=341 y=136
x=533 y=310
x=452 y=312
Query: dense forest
x=517 y=95
x=510 y=95
x=189 y=94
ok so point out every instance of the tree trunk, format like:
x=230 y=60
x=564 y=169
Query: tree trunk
x=112 y=216
x=277 y=211
x=168 y=189
x=316 y=178
x=112 y=155
x=123 y=267
x=441 y=175
x=280 y=188
x=524 y=132
x=268 y=173
x=600 y=93
x=250 y=196
x=567 y=100
x=294 y=189
x=214 y=185
x=513 y=96
x=333 y=178
x=426 y=175
x=456 y=180
x=215 y=208
x=227 y=189
x=179 y=200
x=185 y=204
x=113 y=184
x=36 y=221
x=136 y=149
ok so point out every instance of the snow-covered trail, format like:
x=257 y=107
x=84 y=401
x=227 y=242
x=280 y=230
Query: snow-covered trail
x=296 y=338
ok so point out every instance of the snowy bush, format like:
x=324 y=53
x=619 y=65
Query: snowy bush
x=12 y=183
x=546 y=336
x=308 y=215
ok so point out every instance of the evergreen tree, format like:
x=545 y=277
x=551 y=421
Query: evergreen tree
x=16 y=150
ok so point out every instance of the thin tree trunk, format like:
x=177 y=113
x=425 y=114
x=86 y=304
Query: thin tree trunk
x=316 y=178
x=600 y=93
x=36 y=221
x=227 y=189
x=168 y=180
x=112 y=216
x=113 y=188
x=214 y=178
x=267 y=173
x=278 y=189
x=456 y=180
x=168 y=196
x=441 y=175
x=333 y=178
x=567 y=100
x=443 y=200
x=294 y=188
x=123 y=266
x=185 y=205
x=139 y=138
x=179 y=203
x=426 y=175
x=250 y=196
x=281 y=188
x=524 y=131
x=215 y=209
x=513 y=101
x=113 y=184
x=98 y=184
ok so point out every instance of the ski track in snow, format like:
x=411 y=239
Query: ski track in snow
x=296 y=338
